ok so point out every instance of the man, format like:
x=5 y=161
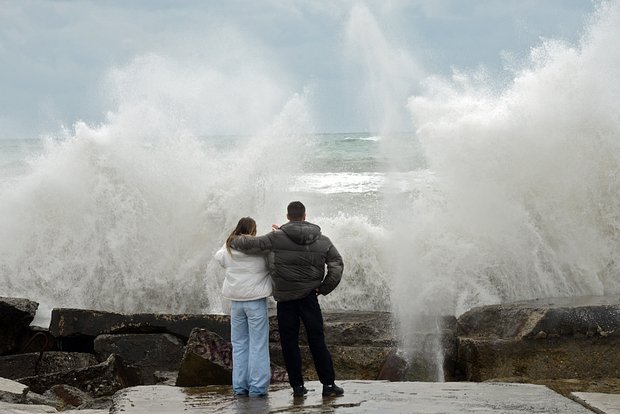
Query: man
x=298 y=256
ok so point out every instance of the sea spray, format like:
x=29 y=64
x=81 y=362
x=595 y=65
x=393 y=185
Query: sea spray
x=525 y=202
x=390 y=75
x=514 y=197
x=365 y=285
x=125 y=216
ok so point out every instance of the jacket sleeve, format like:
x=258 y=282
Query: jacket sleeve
x=220 y=256
x=335 y=266
x=252 y=245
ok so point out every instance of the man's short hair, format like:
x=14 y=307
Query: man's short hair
x=296 y=210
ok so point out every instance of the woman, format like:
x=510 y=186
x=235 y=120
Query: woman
x=247 y=285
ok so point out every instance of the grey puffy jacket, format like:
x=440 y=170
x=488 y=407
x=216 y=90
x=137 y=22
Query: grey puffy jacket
x=298 y=255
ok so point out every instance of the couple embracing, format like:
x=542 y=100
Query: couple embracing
x=290 y=263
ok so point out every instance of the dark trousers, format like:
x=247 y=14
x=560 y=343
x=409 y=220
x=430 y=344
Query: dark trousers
x=289 y=314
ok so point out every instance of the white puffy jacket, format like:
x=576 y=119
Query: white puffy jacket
x=247 y=276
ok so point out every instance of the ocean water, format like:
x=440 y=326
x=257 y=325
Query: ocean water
x=506 y=189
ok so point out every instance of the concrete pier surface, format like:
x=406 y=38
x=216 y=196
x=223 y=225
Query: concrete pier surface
x=363 y=397
x=599 y=402
x=360 y=397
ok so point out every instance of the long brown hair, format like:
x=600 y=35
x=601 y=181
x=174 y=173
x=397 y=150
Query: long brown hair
x=246 y=225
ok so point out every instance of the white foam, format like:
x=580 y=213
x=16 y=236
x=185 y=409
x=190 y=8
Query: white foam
x=526 y=201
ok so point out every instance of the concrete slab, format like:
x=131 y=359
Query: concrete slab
x=360 y=397
x=85 y=411
x=13 y=387
x=12 y=391
x=599 y=402
x=8 y=408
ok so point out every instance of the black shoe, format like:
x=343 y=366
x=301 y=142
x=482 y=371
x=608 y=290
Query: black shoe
x=332 y=391
x=299 y=391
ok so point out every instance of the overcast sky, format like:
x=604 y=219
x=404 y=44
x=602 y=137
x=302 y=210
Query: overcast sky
x=57 y=57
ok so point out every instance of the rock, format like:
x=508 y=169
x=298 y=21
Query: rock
x=577 y=317
x=197 y=371
x=38 y=399
x=15 y=317
x=146 y=352
x=349 y=328
x=357 y=328
x=208 y=361
x=166 y=377
x=97 y=380
x=68 y=396
x=350 y=362
x=31 y=364
x=354 y=362
x=542 y=339
x=12 y=392
x=394 y=368
x=66 y=323
x=583 y=358
x=36 y=339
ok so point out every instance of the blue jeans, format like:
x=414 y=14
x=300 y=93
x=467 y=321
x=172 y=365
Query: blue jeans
x=249 y=333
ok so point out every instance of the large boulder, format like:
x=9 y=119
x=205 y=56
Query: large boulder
x=97 y=380
x=16 y=314
x=208 y=361
x=558 y=338
x=146 y=352
x=572 y=317
x=30 y=364
x=67 y=323
x=349 y=328
x=350 y=362
x=68 y=397
x=357 y=328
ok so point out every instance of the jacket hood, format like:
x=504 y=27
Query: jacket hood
x=301 y=232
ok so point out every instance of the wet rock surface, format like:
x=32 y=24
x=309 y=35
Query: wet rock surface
x=360 y=397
